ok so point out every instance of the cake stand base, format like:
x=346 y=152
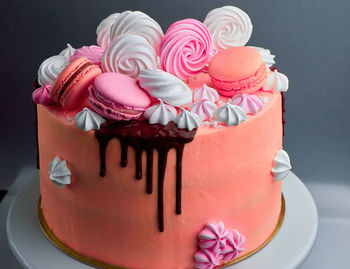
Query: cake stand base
x=287 y=249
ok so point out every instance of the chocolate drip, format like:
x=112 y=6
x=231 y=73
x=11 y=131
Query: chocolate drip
x=143 y=136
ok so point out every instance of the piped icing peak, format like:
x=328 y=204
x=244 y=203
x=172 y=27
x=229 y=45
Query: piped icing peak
x=88 y=120
x=230 y=114
x=229 y=27
x=129 y=55
x=207 y=259
x=204 y=109
x=234 y=245
x=59 y=172
x=160 y=113
x=68 y=52
x=93 y=53
x=213 y=236
x=165 y=86
x=42 y=95
x=276 y=82
x=51 y=68
x=268 y=58
x=185 y=49
x=205 y=92
x=138 y=23
x=281 y=166
x=250 y=103
x=187 y=120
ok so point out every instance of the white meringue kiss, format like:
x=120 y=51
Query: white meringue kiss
x=276 y=82
x=128 y=55
x=268 y=58
x=187 y=120
x=229 y=27
x=230 y=114
x=160 y=113
x=59 y=172
x=51 y=68
x=104 y=29
x=68 y=52
x=88 y=120
x=281 y=166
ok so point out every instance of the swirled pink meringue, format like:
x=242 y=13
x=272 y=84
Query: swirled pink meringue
x=234 y=245
x=42 y=95
x=204 y=109
x=186 y=48
x=206 y=259
x=213 y=236
x=250 y=103
x=93 y=53
x=205 y=92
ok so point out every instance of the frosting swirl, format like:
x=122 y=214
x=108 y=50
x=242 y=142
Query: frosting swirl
x=213 y=236
x=206 y=259
x=166 y=87
x=276 y=82
x=93 y=53
x=268 y=58
x=205 y=92
x=229 y=27
x=88 y=120
x=68 y=52
x=281 y=166
x=250 y=103
x=204 y=109
x=106 y=23
x=42 y=95
x=129 y=54
x=160 y=113
x=139 y=23
x=230 y=114
x=187 y=120
x=234 y=246
x=51 y=68
x=185 y=49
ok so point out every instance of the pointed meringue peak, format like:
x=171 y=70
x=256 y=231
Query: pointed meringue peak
x=59 y=172
x=276 y=82
x=88 y=120
x=187 y=120
x=230 y=114
x=268 y=58
x=204 y=109
x=213 y=236
x=250 y=103
x=42 y=95
x=206 y=259
x=160 y=113
x=205 y=92
x=281 y=165
x=234 y=245
x=68 y=52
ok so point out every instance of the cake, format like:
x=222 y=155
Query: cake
x=162 y=150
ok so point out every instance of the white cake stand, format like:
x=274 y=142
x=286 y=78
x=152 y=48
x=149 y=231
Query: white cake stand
x=287 y=249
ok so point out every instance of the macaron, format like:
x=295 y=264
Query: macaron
x=70 y=88
x=118 y=97
x=237 y=70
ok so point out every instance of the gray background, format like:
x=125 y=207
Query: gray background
x=310 y=38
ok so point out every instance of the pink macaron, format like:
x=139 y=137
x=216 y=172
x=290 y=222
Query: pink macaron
x=70 y=88
x=118 y=97
x=237 y=70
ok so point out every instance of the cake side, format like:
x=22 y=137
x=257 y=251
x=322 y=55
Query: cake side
x=226 y=177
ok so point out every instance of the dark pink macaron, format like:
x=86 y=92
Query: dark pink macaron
x=118 y=97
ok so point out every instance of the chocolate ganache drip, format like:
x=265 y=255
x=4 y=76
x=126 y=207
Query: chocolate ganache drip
x=143 y=136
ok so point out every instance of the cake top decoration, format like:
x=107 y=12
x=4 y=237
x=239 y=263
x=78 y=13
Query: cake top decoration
x=88 y=120
x=276 y=82
x=51 y=68
x=160 y=113
x=187 y=120
x=230 y=114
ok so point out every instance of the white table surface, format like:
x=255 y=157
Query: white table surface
x=331 y=250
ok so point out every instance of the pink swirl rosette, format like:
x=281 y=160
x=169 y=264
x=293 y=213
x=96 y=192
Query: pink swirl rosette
x=42 y=95
x=213 y=236
x=186 y=48
x=234 y=246
x=93 y=53
x=206 y=259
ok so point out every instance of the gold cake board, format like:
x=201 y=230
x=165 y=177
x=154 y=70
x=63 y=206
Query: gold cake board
x=98 y=264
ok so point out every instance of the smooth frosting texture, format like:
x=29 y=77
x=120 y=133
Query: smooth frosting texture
x=281 y=165
x=187 y=120
x=42 y=95
x=229 y=27
x=268 y=58
x=129 y=55
x=68 y=52
x=276 y=82
x=250 y=103
x=59 y=172
x=160 y=113
x=204 y=109
x=165 y=86
x=88 y=120
x=230 y=114
x=185 y=49
x=138 y=23
x=205 y=92
x=51 y=68
x=93 y=53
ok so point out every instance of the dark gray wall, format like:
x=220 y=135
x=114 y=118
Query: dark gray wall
x=310 y=38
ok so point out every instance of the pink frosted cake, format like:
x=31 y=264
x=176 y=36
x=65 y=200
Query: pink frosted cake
x=162 y=150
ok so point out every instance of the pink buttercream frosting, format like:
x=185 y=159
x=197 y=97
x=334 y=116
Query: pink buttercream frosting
x=250 y=103
x=206 y=259
x=93 y=53
x=42 y=95
x=186 y=48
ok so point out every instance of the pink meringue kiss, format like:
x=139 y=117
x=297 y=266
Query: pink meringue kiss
x=213 y=236
x=206 y=259
x=42 y=95
x=186 y=48
x=250 y=103
x=93 y=53
x=234 y=246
